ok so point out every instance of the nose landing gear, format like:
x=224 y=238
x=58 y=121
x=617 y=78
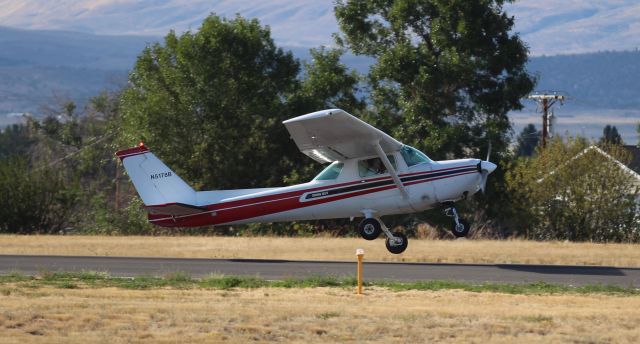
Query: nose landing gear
x=398 y=243
x=371 y=228
x=460 y=227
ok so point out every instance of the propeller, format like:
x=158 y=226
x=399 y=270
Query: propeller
x=488 y=152
x=483 y=180
x=486 y=167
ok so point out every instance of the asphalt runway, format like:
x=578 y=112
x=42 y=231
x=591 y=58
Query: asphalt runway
x=281 y=269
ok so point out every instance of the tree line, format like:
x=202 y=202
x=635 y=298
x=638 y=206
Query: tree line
x=211 y=102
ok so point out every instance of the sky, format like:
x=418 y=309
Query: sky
x=549 y=27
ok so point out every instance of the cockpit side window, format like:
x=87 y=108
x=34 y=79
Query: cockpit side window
x=331 y=172
x=374 y=166
x=413 y=156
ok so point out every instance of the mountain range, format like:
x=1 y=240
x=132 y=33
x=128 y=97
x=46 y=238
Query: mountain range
x=548 y=26
x=72 y=49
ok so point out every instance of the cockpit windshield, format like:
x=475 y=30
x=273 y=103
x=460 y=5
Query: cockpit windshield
x=331 y=172
x=413 y=156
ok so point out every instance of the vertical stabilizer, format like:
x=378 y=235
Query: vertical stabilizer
x=156 y=183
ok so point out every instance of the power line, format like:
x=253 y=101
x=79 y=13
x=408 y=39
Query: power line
x=73 y=154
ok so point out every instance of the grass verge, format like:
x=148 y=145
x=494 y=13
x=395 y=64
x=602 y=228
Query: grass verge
x=179 y=280
x=321 y=248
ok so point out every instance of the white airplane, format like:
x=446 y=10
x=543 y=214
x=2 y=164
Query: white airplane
x=370 y=175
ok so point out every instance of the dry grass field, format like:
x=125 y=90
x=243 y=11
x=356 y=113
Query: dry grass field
x=37 y=311
x=111 y=315
x=437 y=251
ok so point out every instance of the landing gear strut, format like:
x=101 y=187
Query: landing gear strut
x=460 y=227
x=371 y=228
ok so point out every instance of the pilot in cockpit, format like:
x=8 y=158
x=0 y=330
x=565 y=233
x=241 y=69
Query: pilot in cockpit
x=372 y=167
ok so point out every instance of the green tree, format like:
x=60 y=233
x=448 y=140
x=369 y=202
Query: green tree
x=610 y=135
x=447 y=71
x=50 y=127
x=15 y=140
x=527 y=141
x=35 y=199
x=210 y=103
x=328 y=83
x=575 y=191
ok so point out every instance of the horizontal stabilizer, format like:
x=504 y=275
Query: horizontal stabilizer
x=175 y=209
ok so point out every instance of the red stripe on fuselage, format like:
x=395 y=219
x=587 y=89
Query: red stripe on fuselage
x=259 y=199
x=259 y=206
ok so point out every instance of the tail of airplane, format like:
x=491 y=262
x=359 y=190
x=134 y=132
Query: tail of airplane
x=158 y=186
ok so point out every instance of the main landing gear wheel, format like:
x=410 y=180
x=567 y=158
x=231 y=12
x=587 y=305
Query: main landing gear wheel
x=398 y=243
x=460 y=229
x=370 y=229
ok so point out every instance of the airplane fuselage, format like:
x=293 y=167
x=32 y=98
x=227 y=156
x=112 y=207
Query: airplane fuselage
x=427 y=185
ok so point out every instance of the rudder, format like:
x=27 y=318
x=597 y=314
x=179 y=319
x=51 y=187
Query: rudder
x=155 y=182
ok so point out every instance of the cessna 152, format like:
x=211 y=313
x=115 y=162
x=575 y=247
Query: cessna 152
x=370 y=175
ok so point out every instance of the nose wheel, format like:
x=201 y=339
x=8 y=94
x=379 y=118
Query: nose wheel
x=371 y=228
x=398 y=243
x=460 y=227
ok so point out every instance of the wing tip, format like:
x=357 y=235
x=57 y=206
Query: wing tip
x=312 y=115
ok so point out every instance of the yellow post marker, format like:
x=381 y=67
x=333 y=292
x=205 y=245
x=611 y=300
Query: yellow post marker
x=360 y=254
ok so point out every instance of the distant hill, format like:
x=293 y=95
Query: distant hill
x=549 y=27
x=71 y=49
x=608 y=80
x=37 y=68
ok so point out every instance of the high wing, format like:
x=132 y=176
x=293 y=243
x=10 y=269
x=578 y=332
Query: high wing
x=333 y=134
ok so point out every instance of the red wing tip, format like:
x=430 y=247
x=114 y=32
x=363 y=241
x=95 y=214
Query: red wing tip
x=139 y=149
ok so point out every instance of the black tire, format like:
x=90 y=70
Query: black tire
x=370 y=229
x=462 y=230
x=399 y=246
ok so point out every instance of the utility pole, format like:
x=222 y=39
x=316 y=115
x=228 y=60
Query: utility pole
x=546 y=100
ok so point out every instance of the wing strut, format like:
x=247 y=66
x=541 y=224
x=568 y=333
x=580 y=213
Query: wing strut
x=392 y=171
